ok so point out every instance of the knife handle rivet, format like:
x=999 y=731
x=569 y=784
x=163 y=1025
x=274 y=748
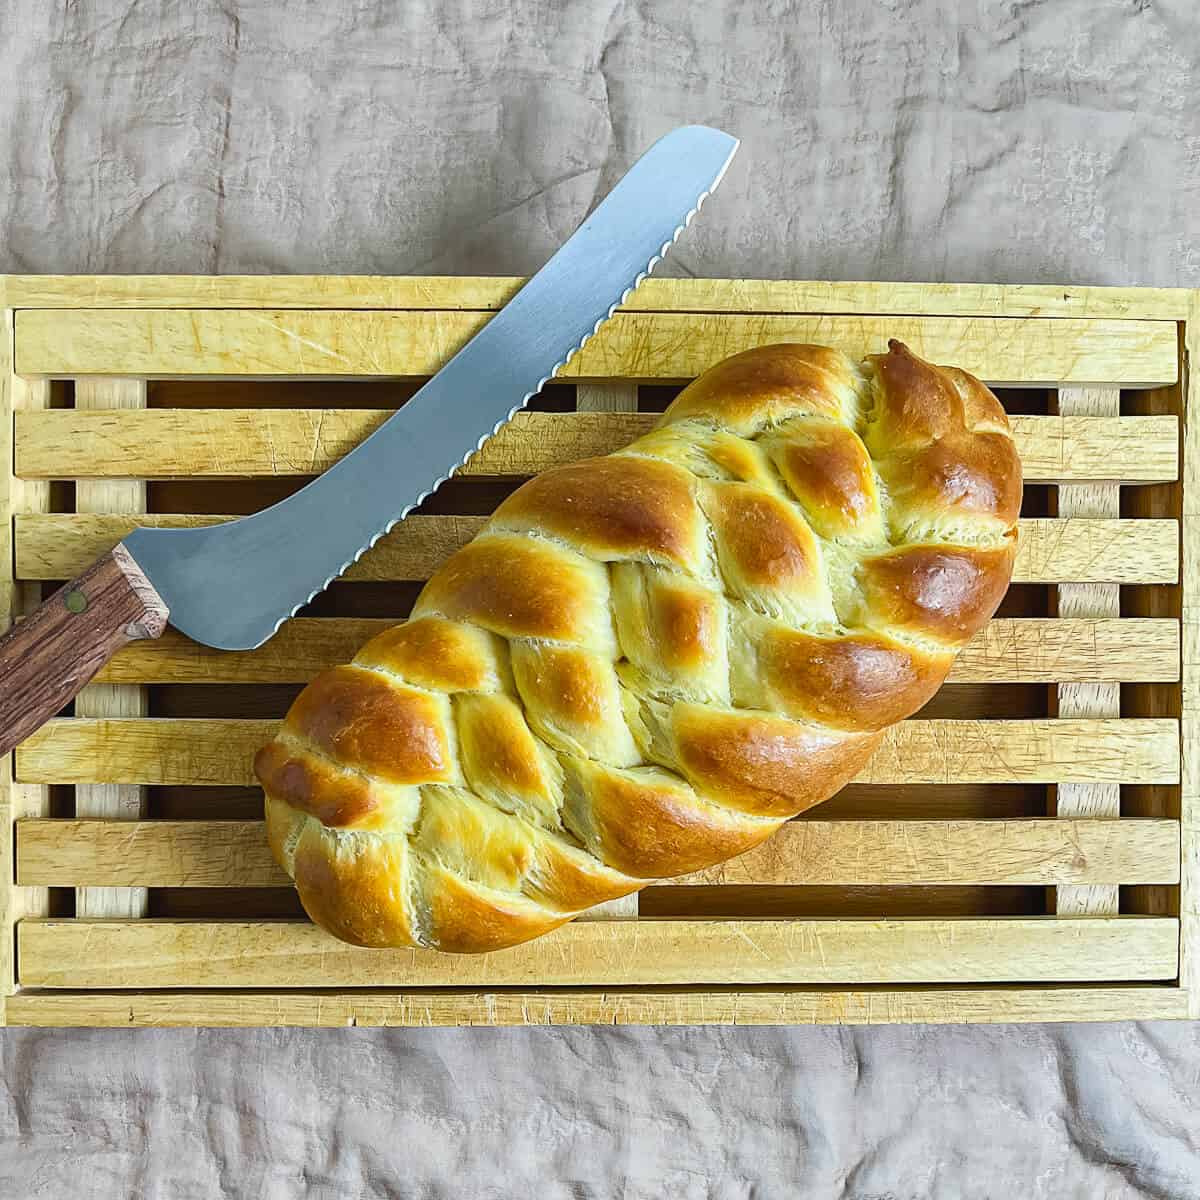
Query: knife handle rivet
x=75 y=601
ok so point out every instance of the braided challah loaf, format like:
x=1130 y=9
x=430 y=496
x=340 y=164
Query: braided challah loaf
x=645 y=663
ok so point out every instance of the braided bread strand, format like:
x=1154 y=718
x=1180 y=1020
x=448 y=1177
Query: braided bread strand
x=645 y=663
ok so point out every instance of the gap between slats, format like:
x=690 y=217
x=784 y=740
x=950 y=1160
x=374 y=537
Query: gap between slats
x=1091 y=698
x=220 y=854
x=108 y=699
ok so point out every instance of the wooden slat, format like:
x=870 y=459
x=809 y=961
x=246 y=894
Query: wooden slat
x=215 y=751
x=173 y=443
x=1090 y=698
x=610 y=398
x=160 y=343
x=103 y=800
x=194 y=854
x=665 y=295
x=1108 y=551
x=248 y=442
x=9 y=610
x=609 y=1006
x=1034 y=751
x=1189 y=891
x=135 y=954
x=1040 y=650
x=895 y=853
x=11 y=489
x=60 y=545
x=1030 y=650
x=1152 y=699
x=214 y=854
x=16 y=800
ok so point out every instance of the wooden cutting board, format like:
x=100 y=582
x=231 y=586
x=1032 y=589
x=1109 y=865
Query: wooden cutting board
x=1023 y=849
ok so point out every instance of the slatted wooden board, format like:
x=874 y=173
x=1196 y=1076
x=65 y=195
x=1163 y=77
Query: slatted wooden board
x=1023 y=849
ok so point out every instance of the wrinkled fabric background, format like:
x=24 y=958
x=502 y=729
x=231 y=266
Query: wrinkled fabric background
x=1009 y=141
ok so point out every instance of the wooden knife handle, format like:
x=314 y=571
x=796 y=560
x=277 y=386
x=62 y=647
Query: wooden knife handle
x=47 y=658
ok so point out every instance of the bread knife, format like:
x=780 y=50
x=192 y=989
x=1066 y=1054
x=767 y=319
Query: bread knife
x=232 y=585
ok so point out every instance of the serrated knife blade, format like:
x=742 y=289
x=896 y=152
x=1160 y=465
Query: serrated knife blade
x=231 y=586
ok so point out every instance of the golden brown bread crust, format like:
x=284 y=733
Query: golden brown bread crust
x=646 y=662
